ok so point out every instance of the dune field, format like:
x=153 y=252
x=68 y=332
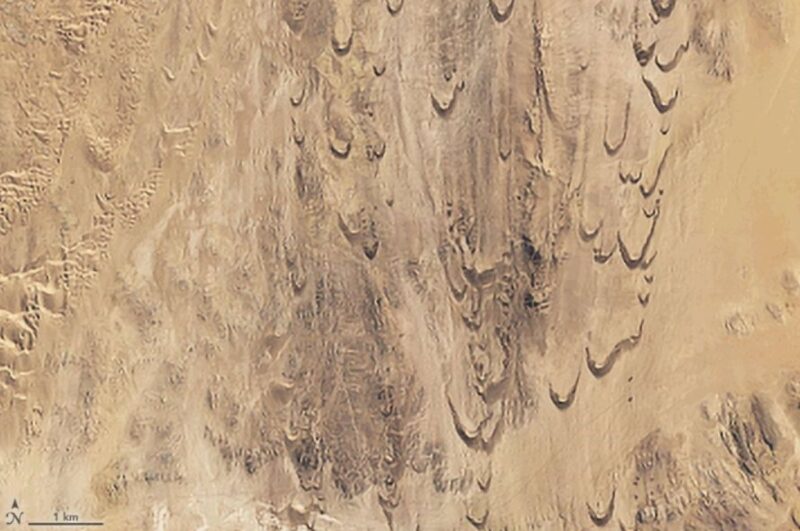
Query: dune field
x=400 y=264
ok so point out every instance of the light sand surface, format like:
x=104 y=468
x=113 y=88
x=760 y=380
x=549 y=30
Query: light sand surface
x=400 y=264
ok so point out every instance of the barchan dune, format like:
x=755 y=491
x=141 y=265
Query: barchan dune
x=400 y=264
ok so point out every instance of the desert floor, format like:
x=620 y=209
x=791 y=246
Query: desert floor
x=387 y=264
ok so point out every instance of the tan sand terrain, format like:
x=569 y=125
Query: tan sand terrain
x=400 y=264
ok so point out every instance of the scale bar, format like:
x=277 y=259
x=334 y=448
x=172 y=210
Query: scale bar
x=64 y=524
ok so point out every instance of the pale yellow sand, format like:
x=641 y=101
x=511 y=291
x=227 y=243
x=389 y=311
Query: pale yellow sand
x=499 y=264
